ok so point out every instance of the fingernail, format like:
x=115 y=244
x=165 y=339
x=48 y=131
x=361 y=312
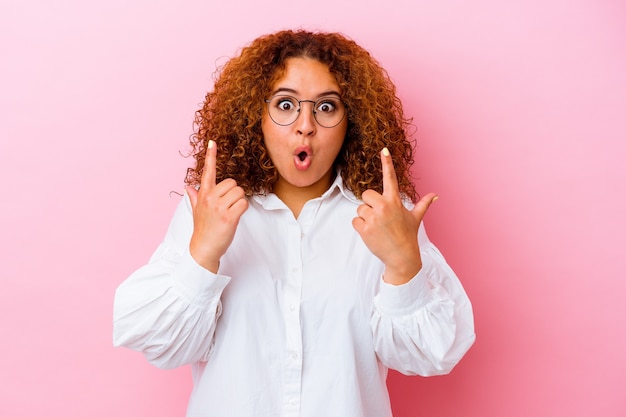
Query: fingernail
x=385 y=151
x=435 y=198
x=211 y=143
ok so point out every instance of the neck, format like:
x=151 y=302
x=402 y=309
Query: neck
x=296 y=197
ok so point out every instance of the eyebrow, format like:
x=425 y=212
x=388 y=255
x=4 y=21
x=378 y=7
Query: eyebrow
x=292 y=91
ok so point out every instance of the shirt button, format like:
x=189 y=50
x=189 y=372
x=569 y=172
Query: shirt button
x=293 y=401
x=292 y=307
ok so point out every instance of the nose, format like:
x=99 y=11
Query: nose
x=306 y=124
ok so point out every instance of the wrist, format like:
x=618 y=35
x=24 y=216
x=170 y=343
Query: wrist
x=403 y=274
x=204 y=260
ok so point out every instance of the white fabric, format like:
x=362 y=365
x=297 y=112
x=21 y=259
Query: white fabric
x=298 y=322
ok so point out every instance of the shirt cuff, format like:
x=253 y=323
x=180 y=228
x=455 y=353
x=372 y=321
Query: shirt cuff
x=197 y=283
x=398 y=300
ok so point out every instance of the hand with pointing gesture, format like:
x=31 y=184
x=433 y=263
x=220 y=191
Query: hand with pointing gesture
x=388 y=229
x=217 y=209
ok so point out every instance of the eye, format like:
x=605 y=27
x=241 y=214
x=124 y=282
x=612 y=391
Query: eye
x=326 y=105
x=286 y=104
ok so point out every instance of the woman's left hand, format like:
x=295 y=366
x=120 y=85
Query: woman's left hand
x=388 y=229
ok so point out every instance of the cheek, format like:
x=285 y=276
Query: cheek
x=264 y=125
x=341 y=137
x=271 y=136
x=266 y=130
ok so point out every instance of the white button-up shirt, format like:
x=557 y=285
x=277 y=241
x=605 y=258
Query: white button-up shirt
x=298 y=322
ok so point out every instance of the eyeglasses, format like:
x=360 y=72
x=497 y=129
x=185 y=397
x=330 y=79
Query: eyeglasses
x=284 y=110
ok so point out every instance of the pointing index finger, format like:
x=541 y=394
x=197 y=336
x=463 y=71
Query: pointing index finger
x=390 y=180
x=208 y=172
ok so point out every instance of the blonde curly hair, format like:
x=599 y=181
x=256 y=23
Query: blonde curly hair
x=232 y=112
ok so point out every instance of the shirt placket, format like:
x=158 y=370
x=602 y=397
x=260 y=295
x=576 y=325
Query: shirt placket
x=291 y=313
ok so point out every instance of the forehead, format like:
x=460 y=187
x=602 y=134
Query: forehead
x=306 y=76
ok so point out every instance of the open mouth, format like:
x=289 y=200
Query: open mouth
x=302 y=157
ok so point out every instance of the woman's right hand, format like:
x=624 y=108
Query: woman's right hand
x=217 y=209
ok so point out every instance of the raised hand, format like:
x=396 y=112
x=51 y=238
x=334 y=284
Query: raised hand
x=217 y=209
x=388 y=229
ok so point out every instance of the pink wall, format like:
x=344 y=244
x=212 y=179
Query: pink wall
x=520 y=108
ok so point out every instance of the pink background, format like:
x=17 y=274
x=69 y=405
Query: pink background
x=521 y=115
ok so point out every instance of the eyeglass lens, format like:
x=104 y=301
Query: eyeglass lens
x=284 y=110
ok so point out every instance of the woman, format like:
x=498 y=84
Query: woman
x=296 y=271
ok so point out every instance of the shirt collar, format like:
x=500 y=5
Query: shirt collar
x=271 y=201
x=338 y=184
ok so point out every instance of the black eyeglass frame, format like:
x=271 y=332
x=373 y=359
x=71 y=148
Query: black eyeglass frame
x=314 y=102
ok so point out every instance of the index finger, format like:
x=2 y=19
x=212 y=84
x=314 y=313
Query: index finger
x=208 y=172
x=390 y=179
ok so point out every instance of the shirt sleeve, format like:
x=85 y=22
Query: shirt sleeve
x=425 y=326
x=169 y=308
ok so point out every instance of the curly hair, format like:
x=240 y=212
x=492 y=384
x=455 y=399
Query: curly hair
x=232 y=112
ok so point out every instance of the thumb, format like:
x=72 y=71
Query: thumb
x=193 y=195
x=423 y=204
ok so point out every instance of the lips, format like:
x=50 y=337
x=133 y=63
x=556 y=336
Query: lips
x=302 y=157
